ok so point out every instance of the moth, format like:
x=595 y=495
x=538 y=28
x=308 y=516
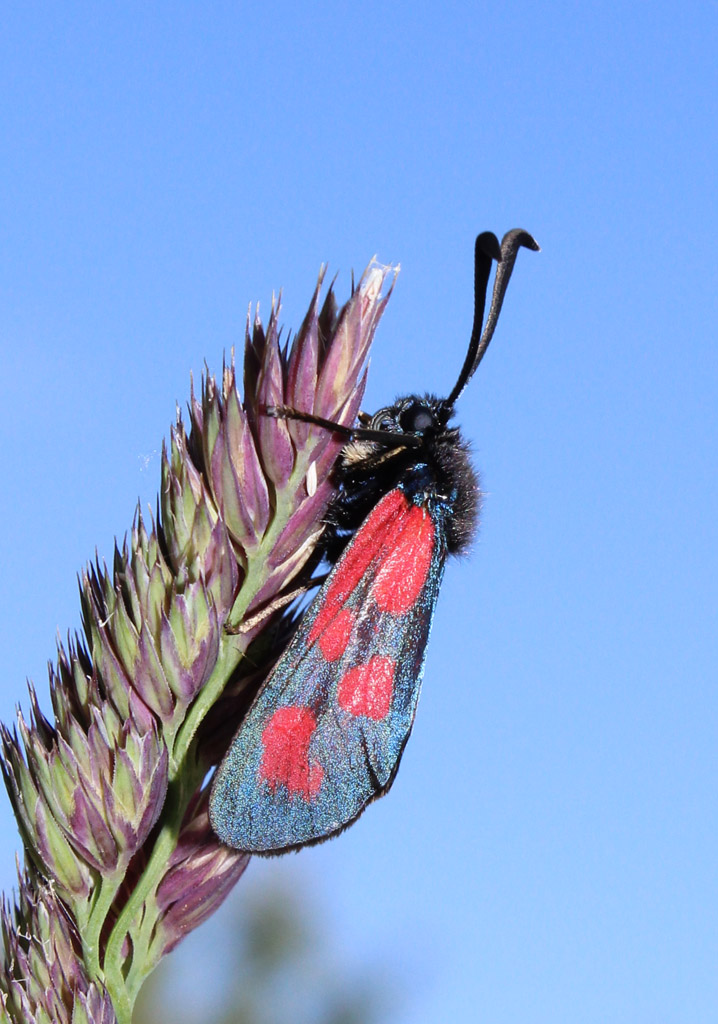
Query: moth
x=325 y=735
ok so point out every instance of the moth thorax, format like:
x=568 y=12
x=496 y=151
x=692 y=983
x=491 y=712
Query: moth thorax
x=357 y=452
x=458 y=480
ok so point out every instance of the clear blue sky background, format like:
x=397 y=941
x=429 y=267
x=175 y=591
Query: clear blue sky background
x=549 y=853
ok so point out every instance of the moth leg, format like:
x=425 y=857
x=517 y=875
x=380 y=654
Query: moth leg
x=280 y=601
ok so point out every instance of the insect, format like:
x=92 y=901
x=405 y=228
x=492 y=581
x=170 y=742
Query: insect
x=325 y=734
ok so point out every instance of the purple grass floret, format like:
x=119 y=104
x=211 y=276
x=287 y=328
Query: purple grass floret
x=44 y=980
x=200 y=874
x=110 y=790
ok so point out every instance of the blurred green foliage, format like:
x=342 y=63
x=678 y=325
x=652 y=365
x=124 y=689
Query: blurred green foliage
x=269 y=961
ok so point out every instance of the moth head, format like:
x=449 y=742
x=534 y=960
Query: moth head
x=411 y=415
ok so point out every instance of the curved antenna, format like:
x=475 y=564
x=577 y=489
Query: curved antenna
x=510 y=244
x=486 y=250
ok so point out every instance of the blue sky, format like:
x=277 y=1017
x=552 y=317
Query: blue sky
x=549 y=852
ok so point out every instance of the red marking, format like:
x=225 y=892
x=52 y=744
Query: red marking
x=367 y=689
x=333 y=641
x=285 y=760
x=368 y=543
x=403 y=572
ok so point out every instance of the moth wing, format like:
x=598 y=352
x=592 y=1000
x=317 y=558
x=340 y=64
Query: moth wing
x=326 y=731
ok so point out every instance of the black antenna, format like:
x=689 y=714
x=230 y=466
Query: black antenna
x=487 y=249
x=388 y=438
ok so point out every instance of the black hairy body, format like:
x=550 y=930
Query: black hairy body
x=435 y=461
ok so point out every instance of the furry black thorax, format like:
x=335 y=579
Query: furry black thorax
x=435 y=471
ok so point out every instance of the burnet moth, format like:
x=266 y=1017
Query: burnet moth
x=325 y=734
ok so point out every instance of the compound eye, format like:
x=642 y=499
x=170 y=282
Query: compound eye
x=416 y=419
x=383 y=420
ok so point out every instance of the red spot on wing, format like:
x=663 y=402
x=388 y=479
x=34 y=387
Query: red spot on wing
x=373 y=539
x=367 y=689
x=333 y=641
x=403 y=572
x=285 y=760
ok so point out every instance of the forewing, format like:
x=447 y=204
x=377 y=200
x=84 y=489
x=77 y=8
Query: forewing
x=326 y=732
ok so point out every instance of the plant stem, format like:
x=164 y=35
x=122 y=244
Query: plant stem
x=185 y=775
x=178 y=793
x=231 y=651
x=92 y=928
